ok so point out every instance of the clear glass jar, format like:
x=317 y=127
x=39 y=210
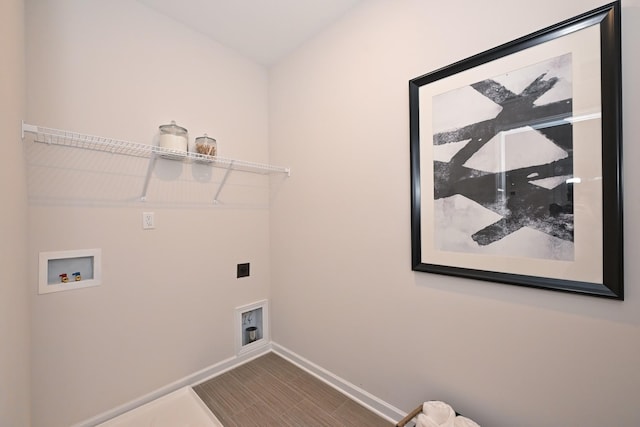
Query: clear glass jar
x=173 y=137
x=206 y=145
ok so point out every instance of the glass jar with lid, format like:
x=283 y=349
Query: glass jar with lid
x=206 y=145
x=173 y=137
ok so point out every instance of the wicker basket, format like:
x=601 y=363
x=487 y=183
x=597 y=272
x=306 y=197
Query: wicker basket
x=411 y=415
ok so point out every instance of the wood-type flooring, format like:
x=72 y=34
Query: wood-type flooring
x=270 y=391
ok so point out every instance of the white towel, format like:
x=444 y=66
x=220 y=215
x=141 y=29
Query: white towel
x=424 y=421
x=461 y=421
x=440 y=413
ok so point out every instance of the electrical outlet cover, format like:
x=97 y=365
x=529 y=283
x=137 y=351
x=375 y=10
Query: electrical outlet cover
x=243 y=270
x=148 y=221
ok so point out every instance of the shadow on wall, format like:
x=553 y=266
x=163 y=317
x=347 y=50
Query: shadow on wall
x=75 y=177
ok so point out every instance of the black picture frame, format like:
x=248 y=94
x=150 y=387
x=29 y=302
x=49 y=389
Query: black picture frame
x=437 y=185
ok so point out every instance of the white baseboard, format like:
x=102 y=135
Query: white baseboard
x=366 y=399
x=190 y=380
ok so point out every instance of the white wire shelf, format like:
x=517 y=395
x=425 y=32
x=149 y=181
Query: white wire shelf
x=98 y=143
x=66 y=138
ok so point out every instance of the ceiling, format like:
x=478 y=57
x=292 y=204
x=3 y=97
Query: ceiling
x=263 y=30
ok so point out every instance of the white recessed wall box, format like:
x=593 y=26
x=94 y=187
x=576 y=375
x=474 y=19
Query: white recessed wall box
x=69 y=270
x=252 y=326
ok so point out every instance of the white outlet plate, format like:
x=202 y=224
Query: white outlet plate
x=148 y=221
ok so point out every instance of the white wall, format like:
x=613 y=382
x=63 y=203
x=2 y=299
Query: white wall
x=343 y=292
x=165 y=309
x=14 y=300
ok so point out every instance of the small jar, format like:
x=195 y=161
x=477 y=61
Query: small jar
x=173 y=137
x=206 y=145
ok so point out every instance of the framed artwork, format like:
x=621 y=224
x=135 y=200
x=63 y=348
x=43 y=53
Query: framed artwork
x=516 y=161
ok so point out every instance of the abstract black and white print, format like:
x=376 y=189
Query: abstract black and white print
x=503 y=164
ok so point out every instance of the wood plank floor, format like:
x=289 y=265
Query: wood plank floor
x=270 y=391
